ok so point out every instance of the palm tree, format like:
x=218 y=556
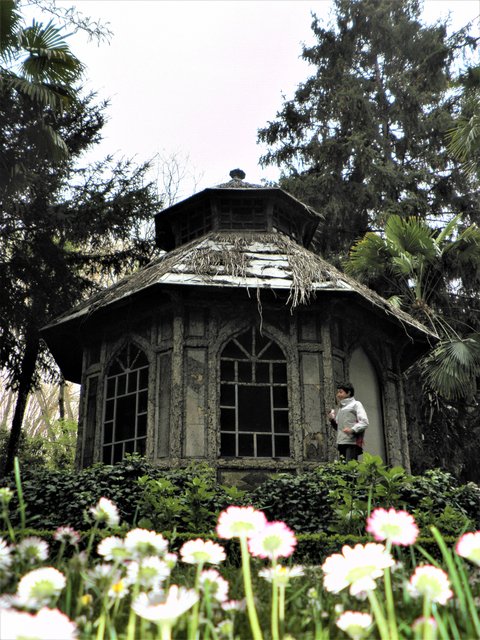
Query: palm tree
x=422 y=270
x=36 y=63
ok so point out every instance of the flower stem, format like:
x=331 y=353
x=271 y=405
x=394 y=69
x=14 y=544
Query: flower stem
x=379 y=617
x=392 y=621
x=247 y=583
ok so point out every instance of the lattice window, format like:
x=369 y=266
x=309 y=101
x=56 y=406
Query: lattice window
x=242 y=213
x=126 y=400
x=253 y=398
x=196 y=224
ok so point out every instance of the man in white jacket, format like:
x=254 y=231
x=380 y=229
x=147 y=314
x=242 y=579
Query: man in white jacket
x=350 y=420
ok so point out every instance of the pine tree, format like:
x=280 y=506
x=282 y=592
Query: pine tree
x=365 y=135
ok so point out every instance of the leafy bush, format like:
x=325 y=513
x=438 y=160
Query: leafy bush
x=336 y=498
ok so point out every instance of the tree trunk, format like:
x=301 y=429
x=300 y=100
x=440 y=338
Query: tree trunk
x=29 y=361
x=61 y=398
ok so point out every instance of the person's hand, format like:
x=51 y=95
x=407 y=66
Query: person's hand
x=331 y=415
x=347 y=430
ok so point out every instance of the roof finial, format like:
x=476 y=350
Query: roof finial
x=237 y=174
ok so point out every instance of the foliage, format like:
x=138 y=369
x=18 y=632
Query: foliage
x=73 y=581
x=364 y=136
x=334 y=499
x=53 y=449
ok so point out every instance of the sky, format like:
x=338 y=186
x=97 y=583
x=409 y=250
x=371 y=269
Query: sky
x=196 y=79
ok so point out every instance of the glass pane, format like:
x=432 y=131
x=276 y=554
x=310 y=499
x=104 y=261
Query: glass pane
x=142 y=401
x=280 y=397
x=117 y=453
x=142 y=425
x=282 y=446
x=244 y=371
x=227 y=370
x=108 y=432
x=264 y=446
x=279 y=372
x=280 y=419
x=273 y=352
x=227 y=419
x=232 y=350
x=245 y=444
x=143 y=382
x=140 y=446
x=125 y=423
x=227 y=444
x=138 y=360
x=107 y=455
x=245 y=339
x=115 y=368
x=110 y=387
x=130 y=446
x=132 y=382
x=227 y=395
x=262 y=371
x=109 y=407
x=254 y=409
x=121 y=384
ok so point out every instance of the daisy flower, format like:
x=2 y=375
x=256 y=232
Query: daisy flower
x=149 y=574
x=118 y=589
x=430 y=582
x=355 y=624
x=5 y=555
x=46 y=624
x=234 y=605
x=171 y=559
x=280 y=574
x=202 y=551
x=420 y=623
x=158 y=608
x=112 y=548
x=141 y=543
x=397 y=527
x=40 y=586
x=67 y=535
x=105 y=511
x=468 y=547
x=273 y=541
x=32 y=550
x=101 y=576
x=240 y=522
x=356 y=568
x=6 y=495
x=217 y=586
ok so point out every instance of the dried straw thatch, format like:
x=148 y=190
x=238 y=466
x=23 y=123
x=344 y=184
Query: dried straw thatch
x=241 y=259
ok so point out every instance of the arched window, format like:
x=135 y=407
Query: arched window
x=253 y=398
x=126 y=399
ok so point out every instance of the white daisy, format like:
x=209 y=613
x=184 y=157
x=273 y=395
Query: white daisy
x=40 y=586
x=32 y=550
x=355 y=624
x=202 y=551
x=240 y=522
x=141 y=543
x=158 y=608
x=217 y=586
x=46 y=624
x=150 y=573
x=105 y=512
x=112 y=548
x=430 y=582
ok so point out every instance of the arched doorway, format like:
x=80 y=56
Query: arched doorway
x=367 y=390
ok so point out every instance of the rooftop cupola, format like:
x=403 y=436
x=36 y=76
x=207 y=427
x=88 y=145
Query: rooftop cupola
x=236 y=205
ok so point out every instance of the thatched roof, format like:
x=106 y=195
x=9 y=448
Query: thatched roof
x=240 y=260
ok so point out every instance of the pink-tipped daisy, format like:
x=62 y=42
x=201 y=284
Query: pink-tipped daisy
x=397 y=527
x=47 y=624
x=356 y=567
x=67 y=535
x=468 y=547
x=40 y=586
x=105 y=511
x=275 y=540
x=217 y=587
x=431 y=582
x=240 y=522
